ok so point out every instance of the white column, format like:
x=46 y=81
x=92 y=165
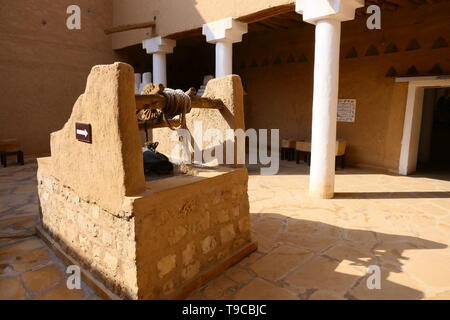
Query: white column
x=159 y=68
x=146 y=79
x=327 y=16
x=137 y=83
x=159 y=47
x=325 y=96
x=224 y=58
x=224 y=33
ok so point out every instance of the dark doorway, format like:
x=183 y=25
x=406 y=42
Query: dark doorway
x=434 y=146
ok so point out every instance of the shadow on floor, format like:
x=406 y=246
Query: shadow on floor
x=287 y=168
x=393 y=195
x=336 y=250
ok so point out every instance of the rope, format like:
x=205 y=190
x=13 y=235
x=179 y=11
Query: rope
x=177 y=103
x=149 y=114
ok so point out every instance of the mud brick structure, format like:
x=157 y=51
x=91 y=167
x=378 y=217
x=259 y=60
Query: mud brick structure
x=141 y=239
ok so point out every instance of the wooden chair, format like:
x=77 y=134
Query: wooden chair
x=10 y=147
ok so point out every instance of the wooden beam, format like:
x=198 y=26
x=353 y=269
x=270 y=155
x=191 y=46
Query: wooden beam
x=206 y=103
x=186 y=34
x=258 y=27
x=279 y=23
x=267 y=13
x=154 y=101
x=175 y=123
x=287 y=22
x=385 y=4
x=158 y=101
x=128 y=27
x=268 y=25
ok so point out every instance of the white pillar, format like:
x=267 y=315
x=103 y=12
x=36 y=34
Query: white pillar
x=327 y=15
x=325 y=96
x=159 y=47
x=137 y=83
x=159 y=68
x=224 y=58
x=224 y=33
x=146 y=79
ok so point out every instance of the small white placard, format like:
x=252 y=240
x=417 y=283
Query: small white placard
x=346 y=110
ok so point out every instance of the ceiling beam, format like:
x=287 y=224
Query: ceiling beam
x=267 y=13
x=143 y=25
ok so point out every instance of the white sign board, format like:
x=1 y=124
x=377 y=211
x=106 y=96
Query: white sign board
x=346 y=110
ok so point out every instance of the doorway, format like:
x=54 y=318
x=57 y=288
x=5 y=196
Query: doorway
x=417 y=86
x=434 y=144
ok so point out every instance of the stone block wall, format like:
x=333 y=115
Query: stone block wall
x=171 y=237
x=182 y=232
x=103 y=243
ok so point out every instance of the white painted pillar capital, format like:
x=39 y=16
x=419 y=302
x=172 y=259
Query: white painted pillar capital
x=316 y=10
x=159 y=47
x=224 y=33
x=327 y=15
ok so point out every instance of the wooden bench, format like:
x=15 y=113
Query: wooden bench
x=304 y=147
x=10 y=147
x=287 y=149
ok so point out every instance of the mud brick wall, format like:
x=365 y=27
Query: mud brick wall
x=229 y=90
x=143 y=240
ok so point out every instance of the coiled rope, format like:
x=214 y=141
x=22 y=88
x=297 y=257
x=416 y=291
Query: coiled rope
x=177 y=103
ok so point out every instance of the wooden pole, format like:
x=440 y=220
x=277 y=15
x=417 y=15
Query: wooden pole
x=175 y=123
x=158 y=101
x=128 y=27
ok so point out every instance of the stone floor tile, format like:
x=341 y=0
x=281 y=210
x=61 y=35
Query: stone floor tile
x=254 y=256
x=259 y=289
x=326 y=274
x=430 y=268
x=24 y=189
x=20 y=247
x=285 y=258
x=219 y=287
x=43 y=278
x=394 y=286
x=61 y=292
x=239 y=274
x=441 y=296
x=359 y=257
x=324 y=295
x=315 y=244
x=268 y=227
x=32 y=259
x=11 y=289
x=6 y=269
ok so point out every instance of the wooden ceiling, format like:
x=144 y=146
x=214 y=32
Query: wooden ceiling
x=284 y=17
x=396 y=4
x=282 y=21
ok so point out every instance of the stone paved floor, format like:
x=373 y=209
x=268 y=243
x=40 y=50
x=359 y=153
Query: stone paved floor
x=308 y=249
x=321 y=249
x=28 y=268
